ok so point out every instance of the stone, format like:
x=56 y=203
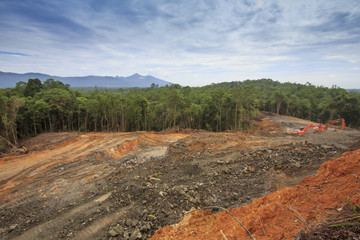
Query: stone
x=12 y=227
x=227 y=171
x=145 y=228
x=118 y=229
x=113 y=233
x=134 y=223
x=136 y=234
x=128 y=222
x=126 y=235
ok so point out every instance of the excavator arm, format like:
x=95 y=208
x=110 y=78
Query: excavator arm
x=340 y=120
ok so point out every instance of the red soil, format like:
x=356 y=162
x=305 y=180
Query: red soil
x=281 y=214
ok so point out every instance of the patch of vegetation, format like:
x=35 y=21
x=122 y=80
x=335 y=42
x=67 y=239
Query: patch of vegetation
x=3 y=146
x=52 y=106
x=345 y=225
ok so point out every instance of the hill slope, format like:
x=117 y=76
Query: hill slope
x=8 y=79
x=128 y=185
x=282 y=214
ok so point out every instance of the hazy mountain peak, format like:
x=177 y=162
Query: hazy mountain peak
x=135 y=75
x=8 y=79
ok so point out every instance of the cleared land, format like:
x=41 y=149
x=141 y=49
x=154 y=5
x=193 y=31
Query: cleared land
x=128 y=185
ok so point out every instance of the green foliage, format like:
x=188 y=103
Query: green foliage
x=33 y=86
x=354 y=208
x=3 y=145
x=34 y=107
x=345 y=221
x=51 y=83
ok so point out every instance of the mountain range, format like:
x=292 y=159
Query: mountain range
x=9 y=79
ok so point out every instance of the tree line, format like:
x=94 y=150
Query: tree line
x=35 y=107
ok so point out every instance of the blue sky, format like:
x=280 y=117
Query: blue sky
x=190 y=42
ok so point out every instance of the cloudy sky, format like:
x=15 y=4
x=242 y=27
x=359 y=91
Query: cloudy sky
x=190 y=42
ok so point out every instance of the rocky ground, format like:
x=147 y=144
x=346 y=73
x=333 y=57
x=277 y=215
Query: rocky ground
x=128 y=185
x=317 y=208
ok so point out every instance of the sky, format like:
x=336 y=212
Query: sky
x=188 y=42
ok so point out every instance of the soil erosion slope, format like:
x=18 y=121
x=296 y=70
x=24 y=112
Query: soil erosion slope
x=282 y=214
x=128 y=185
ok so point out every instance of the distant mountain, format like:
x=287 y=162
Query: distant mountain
x=353 y=90
x=8 y=79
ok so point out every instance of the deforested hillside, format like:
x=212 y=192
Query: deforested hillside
x=36 y=107
x=127 y=185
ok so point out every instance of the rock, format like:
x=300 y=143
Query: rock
x=12 y=227
x=126 y=235
x=128 y=222
x=145 y=228
x=118 y=229
x=134 y=223
x=113 y=233
x=161 y=215
x=326 y=147
x=136 y=234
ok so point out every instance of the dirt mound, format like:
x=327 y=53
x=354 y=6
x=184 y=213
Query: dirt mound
x=281 y=214
x=266 y=126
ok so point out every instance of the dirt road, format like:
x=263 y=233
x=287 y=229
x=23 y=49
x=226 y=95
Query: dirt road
x=127 y=185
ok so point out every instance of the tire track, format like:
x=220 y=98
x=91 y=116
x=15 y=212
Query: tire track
x=49 y=228
x=90 y=231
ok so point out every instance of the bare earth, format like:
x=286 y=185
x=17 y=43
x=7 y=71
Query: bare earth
x=128 y=185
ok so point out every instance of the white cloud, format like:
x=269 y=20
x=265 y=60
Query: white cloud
x=281 y=58
x=199 y=41
x=341 y=57
x=259 y=3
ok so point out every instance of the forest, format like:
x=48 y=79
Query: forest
x=36 y=107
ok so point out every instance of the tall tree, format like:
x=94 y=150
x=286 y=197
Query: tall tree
x=33 y=86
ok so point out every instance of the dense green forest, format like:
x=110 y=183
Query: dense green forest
x=51 y=106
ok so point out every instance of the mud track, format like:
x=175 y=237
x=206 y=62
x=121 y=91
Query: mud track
x=128 y=185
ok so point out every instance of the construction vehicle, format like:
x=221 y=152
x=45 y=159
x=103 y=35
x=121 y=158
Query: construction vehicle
x=319 y=127
x=304 y=129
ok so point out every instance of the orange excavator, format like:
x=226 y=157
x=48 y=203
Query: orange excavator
x=320 y=127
